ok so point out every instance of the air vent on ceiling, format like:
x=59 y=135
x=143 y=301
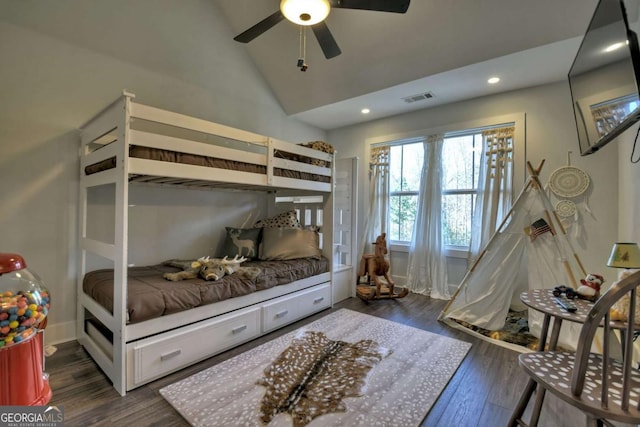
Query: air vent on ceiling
x=418 y=97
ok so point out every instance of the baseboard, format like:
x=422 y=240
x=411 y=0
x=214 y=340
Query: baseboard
x=399 y=280
x=402 y=281
x=60 y=332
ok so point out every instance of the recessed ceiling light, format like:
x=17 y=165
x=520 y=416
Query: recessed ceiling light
x=614 y=46
x=493 y=80
x=365 y=111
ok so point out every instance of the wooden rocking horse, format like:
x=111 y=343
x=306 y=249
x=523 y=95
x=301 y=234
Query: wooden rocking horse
x=374 y=281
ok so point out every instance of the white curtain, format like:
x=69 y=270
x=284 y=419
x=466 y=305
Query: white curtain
x=427 y=272
x=495 y=188
x=376 y=222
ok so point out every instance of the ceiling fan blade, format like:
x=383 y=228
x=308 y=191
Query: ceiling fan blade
x=259 y=28
x=325 y=39
x=395 y=6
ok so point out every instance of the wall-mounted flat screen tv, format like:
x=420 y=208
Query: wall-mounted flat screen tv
x=604 y=76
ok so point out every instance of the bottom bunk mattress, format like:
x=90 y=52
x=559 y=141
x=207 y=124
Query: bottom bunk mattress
x=149 y=295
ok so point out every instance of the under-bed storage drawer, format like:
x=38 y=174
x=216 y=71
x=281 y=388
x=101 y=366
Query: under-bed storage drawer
x=291 y=308
x=154 y=357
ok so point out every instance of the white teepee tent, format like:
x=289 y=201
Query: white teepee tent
x=513 y=262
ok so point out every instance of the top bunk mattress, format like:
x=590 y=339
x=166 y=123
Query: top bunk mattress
x=157 y=154
x=150 y=296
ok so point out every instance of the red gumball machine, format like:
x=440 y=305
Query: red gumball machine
x=24 y=304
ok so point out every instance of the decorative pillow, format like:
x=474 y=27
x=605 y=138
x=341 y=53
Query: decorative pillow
x=325 y=147
x=241 y=242
x=289 y=243
x=283 y=220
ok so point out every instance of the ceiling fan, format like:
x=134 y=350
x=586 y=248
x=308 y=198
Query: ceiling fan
x=313 y=12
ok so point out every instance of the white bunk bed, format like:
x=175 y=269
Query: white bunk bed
x=132 y=354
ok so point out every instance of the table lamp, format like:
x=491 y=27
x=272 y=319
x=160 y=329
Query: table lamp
x=624 y=255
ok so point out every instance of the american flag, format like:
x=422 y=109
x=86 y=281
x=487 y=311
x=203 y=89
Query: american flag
x=537 y=228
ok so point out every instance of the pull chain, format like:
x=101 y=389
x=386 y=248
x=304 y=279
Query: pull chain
x=302 y=49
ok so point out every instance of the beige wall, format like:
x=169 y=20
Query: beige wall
x=65 y=60
x=550 y=134
x=629 y=180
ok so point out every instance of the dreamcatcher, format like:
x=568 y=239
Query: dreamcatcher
x=568 y=183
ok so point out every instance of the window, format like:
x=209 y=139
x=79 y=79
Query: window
x=460 y=167
x=460 y=161
x=405 y=168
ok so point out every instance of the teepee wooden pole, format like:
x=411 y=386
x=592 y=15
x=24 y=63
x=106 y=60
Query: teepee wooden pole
x=533 y=173
x=565 y=263
x=564 y=231
x=584 y=272
x=554 y=232
x=502 y=224
x=534 y=176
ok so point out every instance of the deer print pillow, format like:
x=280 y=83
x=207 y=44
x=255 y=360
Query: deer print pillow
x=241 y=242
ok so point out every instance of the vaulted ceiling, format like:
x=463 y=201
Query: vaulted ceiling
x=447 y=47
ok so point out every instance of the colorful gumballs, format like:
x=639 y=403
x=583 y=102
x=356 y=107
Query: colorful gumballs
x=24 y=302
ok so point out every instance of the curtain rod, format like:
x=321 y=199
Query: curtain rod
x=451 y=134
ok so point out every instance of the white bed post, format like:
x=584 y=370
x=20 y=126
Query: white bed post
x=328 y=221
x=82 y=258
x=109 y=129
x=121 y=255
x=270 y=157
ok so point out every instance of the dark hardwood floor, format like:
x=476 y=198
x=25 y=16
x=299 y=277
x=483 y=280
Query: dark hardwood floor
x=483 y=391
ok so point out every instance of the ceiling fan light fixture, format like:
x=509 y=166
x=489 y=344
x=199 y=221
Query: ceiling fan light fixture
x=305 y=12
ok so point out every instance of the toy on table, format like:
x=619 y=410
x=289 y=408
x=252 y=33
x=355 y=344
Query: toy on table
x=570 y=293
x=589 y=288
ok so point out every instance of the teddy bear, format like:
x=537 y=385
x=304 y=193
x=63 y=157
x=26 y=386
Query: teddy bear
x=589 y=288
x=620 y=309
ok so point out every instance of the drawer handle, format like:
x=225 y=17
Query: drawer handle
x=317 y=300
x=282 y=313
x=238 y=329
x=170 y=355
